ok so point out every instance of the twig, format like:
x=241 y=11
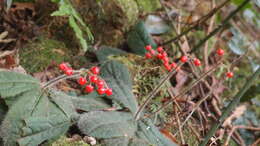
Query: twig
x=256 y=142
x=155 y=91
x=183 y=92
x=231 y=106
x=239 y=127
x=201 y=20
x=224 y=23
x=179 y=126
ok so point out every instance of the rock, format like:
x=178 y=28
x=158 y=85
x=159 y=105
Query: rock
x=39 y=54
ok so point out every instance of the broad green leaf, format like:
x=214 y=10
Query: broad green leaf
x=124 y=141
x=138 y=38
x=104 y=125
x=12 y=84
x=118 y=78
x=104 y=53
x=147 y=131
x=34 y=119
x=90 y=102
x=252 y=92
x=3 y=110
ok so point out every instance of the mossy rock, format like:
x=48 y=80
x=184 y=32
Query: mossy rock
x=148 y=5
x=39 y=54
x=109 y=19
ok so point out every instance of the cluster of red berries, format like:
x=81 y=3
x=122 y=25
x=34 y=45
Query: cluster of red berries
x=163 y=56
x=94 y=80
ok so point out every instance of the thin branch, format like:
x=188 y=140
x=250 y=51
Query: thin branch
x=230 y=107
x=203 y=19
x=224 y=23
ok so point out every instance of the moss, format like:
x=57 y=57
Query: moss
x=38 y=55
x=148 y=5
x=63 y=141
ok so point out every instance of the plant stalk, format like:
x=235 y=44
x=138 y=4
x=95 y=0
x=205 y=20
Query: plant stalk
x=231 y=106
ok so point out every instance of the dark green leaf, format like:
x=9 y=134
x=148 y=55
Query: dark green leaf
x=34 y=119
x=12 y=84
x=90 y=102
x=138 y=38
x=104 y=125
x=118 y=78
x=147 y=131
x=124 y=141
x=252 y=92
x=105 y=52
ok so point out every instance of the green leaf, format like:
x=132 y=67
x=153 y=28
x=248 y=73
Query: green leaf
x=252 y=92
x=147 y=131
x=90 y=102
x=34 y=119
x=138 y=38
x=13 y=84
x=118 y=78
x=124 y=141
x=104 y=125
x=103 y=53
x=66 y=9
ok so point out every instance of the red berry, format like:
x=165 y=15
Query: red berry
x=152 y=52
x=93 y=79
x=82 y=81
x=159 y=56
x=95 y=70
x=173 y=65
x=148 y=47
x=100 y=83
x=160 y=49
x=101 y=91
x=184 y=59
x=69 y=72
x=230 y=74
x=148 y=55
x=165 y=59
x=164 y=54
x=167 y=66
x=63 y=66
x=220 y=52
x=89 y=88
x=196 y=62
x=109 y=92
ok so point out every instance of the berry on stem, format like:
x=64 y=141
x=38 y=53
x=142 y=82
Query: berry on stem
x=95 y=70
x=196 y=62
x=69 y=72
x=82 y=81
x=101 y=91
x=148 y=55
x=173 y=65
x=89 y=88
x=100 y=83
x=230 y=74
x=220 y=52
x=184 y=59
x=152 y=52
x=63 y=66
x=164 y=54
x=159 y=56
x=167 y=66
x=93 y=79
x=148 y=47
x=165 y=59
x=160 y=49
x=109 y=92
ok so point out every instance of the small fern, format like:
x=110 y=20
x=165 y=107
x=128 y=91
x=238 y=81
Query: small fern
x=75 y=22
